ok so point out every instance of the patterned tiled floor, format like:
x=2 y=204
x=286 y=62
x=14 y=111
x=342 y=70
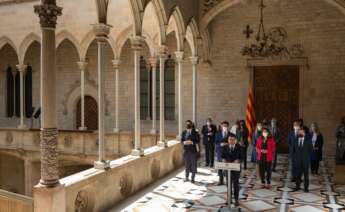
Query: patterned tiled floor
x=177 y=195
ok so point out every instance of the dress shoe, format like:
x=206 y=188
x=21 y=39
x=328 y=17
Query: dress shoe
x=237 y=203
x=268 y=186
x=186 y=180
x=296 y=189
x=306 y=190
x=207 y=164
x=263 y=186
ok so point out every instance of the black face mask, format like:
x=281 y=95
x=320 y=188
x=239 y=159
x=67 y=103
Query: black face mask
x=189 y=126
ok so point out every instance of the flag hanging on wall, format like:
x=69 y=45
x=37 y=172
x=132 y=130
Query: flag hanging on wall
x=250 y=114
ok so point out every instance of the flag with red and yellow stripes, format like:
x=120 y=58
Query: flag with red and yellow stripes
x=250 y=114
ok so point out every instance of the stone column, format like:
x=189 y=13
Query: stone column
x=162 y=58
x=179 y=59
x=194 y=61
x=153 y=63
x=136 y=43
x=48 y=12
x=22 y=69
x=28 y=177
x=116 y=65
x=14 y=74
x=82 y=67
x=101 y=31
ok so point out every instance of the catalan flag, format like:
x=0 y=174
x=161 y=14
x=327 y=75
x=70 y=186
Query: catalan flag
x=250 y=114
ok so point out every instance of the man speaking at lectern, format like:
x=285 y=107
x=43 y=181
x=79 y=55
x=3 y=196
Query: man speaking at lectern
x=232 y=153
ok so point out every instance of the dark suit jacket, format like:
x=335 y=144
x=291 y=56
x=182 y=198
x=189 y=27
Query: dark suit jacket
x=317 y=149
x=231 y=156
x=244 y=136
x=220 y=140
x=194 y=137
x=301 y=155
x=206 y=138
x=291 y=140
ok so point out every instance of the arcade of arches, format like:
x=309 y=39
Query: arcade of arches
x=99 y=85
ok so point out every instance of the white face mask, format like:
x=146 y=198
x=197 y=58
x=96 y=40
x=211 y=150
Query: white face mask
x=208 y=123
x=259 y=127
x=225 y=129
x=265 y=134
x=296 y=128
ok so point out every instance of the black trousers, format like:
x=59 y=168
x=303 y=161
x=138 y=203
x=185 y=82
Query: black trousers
x=190 y=160
x=314 y=166
x=244 y=156
x=265 y=169
x=209 y=153
x=302 y=169
x=235 y=177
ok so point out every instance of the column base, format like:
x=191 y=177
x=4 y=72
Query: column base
x=49 y=199
x=82 y=128
x=116 y=130
x=163 y=144
x=101 y=165
x=49 y=184
x=137 y=152
x=153 y=132
x=22 y=127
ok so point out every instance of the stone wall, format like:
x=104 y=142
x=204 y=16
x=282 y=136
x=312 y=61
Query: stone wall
x=316 y=25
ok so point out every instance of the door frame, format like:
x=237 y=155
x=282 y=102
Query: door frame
x=301 y=62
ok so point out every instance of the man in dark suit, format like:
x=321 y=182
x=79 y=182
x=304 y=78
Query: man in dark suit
x=243 y=141
x=189 y=140
x=221 y=140
x=301 y=155
x=209 y=134
x=232 y=153
x=292 y=138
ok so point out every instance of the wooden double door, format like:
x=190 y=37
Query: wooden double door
x=276 y=94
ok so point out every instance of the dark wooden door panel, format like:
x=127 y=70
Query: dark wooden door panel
x=91 y=113
x=276 y=94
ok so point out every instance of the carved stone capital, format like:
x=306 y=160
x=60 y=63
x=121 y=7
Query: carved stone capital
x=21 y=67
x=101 y=31
x=179 y=56
x=137 y=42
x=82 y=65
x=153 y=61
x=194 y=60
x=48 y=13
x=116 y=63
x=163 y=52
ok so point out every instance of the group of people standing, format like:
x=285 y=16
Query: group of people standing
x=227 y=144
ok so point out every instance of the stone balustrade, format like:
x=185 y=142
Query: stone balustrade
x=10 y=202
x=98 y=190
x=75 y=142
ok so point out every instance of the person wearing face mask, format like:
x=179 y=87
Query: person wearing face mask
x=275 y=132
x=243 y=141
x=232 y=153
x=265 y=148
x=256 y=134
x=301 y=155
x=221 y=141
x=209 y=134
x=189 y=140
x=317 y=142
x=292 y=138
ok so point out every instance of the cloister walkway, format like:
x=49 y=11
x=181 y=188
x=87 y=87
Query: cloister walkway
x=173 y=194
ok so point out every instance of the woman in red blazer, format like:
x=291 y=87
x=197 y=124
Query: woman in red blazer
x=265 y=147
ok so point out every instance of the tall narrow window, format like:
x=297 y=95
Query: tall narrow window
x=169 y=89
x=10 y=92
x=17 y=94
x=28 y=92
x=144 y=90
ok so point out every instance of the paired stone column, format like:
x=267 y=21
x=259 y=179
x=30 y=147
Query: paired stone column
x=22 y=69
x=28 y=177
x=179 y=59
x=137 y=42
x=82 y=67
x=116 y=66
x=48 y=12
x=101 y=31
x=153 y=63
x=162 y=58
x=194 y=61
